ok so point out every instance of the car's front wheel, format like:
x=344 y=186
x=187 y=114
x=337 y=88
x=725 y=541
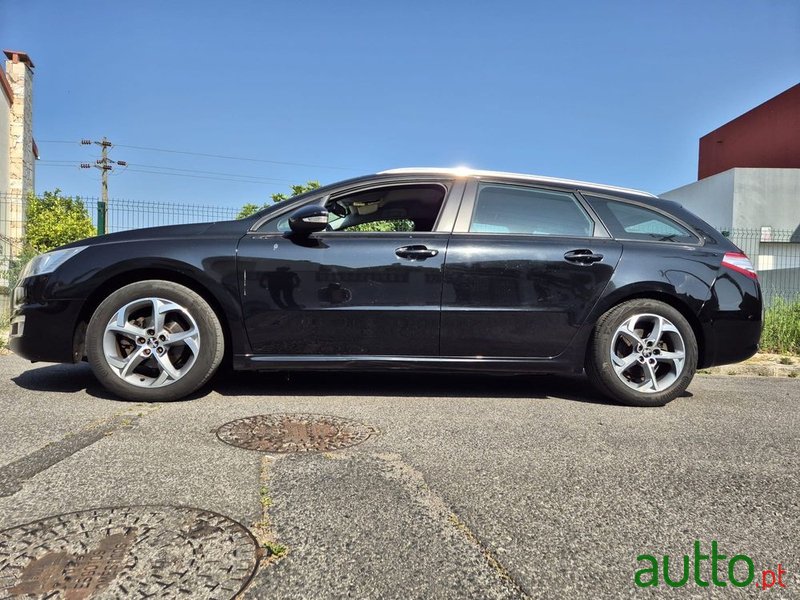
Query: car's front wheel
x=154 y=341
x=642 y=353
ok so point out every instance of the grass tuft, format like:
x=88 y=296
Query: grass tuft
x=274 y=548
x=782 y=328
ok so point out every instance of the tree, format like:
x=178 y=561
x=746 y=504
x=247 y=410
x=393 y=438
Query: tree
x=394 y=225
x=251 y=209
x=54 y=220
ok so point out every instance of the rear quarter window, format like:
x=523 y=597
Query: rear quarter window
x=627 y=221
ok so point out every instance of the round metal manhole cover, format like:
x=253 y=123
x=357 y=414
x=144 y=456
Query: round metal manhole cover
x=284 y=433
x=128 y=552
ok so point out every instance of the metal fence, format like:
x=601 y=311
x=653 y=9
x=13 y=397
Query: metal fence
x=119 y=215
x=775 y=253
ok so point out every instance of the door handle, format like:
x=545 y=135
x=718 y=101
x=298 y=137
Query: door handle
x=416 y=252
x=582 y=256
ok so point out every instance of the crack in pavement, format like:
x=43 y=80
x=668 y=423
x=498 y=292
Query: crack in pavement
x=263 y=529
x=415 y=483
x=392 y=468
x=15 y=474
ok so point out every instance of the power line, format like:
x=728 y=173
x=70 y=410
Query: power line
x=198 y=176
x=203 y=174
x=244 y=158
x=201 y=171
x=268 y=179
x=223 y=156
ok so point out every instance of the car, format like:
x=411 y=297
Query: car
x=418 y=269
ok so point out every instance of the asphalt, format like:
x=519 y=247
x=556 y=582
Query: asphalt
x=473 y=487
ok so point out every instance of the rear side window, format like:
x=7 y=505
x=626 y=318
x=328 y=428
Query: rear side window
x=632 y=222
x=516 y=209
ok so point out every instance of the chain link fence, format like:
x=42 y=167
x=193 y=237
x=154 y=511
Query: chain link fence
x=775 y=253
x=118 y=215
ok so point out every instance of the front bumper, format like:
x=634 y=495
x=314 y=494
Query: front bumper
x=43 y=330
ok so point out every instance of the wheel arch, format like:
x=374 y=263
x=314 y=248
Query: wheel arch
x=113 y=283
x=664 y=296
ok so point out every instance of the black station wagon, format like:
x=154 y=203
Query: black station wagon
x=416 y=269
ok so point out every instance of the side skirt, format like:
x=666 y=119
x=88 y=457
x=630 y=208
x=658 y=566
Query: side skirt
x=270 y=362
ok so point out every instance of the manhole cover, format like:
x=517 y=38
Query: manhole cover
x=129 y=552
x=294 y=433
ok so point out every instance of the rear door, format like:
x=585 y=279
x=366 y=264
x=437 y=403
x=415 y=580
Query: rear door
x=524 y=267
x=346 y=292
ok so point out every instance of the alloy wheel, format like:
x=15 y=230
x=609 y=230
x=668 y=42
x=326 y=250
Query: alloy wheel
x=648 y=353
x=151 y=342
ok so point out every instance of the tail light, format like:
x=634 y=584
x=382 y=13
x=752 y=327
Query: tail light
x=738 y=261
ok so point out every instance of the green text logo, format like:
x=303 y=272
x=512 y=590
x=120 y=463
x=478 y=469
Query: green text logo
x=651 y=574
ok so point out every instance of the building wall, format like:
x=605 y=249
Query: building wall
x=767 y=198
x=21 y=163
x=767 y=136
x=5 y=119
x=744 y=199
x=710 y=199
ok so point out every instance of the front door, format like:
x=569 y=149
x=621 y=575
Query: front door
x=372 y=287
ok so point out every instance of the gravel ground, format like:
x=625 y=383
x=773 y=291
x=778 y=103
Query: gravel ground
x=473 y=487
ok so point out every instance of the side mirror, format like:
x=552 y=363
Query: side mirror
x=308 y=219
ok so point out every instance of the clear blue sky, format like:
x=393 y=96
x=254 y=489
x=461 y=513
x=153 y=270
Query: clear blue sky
x=610 y=91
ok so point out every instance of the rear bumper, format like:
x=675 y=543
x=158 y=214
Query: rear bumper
x=732 y=320
x=731 y=341
x=43 y=330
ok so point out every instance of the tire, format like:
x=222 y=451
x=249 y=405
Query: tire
x=619 y=366
x=154 y=341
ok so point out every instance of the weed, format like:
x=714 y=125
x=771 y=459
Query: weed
x=266 y=500
x=275 y=549
x=781 y=333
x=262 y=529
x=786 y=360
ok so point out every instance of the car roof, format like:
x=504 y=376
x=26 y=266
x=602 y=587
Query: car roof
x=466 y=172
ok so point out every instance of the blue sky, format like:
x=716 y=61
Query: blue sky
x=610 y=91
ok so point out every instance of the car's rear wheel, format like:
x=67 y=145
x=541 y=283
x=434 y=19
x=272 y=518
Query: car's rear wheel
x=154 y=341
x=642 y=353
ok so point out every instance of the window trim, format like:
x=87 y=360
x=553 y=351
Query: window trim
x=464 y=218
x=453 y=192
x=669 y=216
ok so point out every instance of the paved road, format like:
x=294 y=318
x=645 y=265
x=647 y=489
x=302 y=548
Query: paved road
x=475 y=487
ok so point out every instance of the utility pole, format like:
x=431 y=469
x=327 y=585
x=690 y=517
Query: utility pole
x=105 y=165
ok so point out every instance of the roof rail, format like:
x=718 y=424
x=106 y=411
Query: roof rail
x=466 y=172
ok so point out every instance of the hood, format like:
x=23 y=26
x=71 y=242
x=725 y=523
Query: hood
x=165 y=231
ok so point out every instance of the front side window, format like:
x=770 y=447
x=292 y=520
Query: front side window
x=634 y=222
x=523 y=210
x=379 y=210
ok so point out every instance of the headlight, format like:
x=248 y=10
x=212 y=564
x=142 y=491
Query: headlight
x=48 y=262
